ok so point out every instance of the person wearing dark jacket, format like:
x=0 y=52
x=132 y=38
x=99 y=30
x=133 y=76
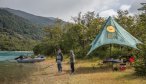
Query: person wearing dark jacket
x=59 y=60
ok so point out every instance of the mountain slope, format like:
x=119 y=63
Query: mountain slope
x=17 y=33
x=21 y=31
x=33 y=18
x=15 y=24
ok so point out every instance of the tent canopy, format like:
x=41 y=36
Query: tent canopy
x=113 y=33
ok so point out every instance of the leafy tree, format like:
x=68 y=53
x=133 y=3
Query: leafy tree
x=143 y=8
x=140 y=65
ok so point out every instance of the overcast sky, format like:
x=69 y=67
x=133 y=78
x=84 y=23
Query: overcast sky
x=64 y=9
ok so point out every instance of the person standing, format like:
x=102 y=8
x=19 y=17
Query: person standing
x=72 y=61
x=59 y=60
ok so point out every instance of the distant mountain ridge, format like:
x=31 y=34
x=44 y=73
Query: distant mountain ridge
x=45 y=21
x=17 y=33
x=14 y=24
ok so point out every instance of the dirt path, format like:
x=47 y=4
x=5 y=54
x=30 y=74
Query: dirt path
x=47 y=74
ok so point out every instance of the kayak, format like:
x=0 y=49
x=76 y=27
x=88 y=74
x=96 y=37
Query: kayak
x=32 y=60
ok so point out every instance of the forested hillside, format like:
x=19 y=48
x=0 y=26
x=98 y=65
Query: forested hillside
x=17 y=33
x=20 y=30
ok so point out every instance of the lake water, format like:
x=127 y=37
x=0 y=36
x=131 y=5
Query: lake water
x=10 y=55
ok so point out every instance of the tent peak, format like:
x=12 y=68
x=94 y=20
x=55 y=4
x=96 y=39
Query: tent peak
x=110 y=17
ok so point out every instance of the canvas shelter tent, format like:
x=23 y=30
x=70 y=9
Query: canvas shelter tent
x=113 y=33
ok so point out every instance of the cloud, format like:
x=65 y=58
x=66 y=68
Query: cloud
x=135 y=4
x=64 y=9
x=107 y=13
x=125 y=7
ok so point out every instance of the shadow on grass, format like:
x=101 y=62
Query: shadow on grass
x=89 y=70
x=51 y=74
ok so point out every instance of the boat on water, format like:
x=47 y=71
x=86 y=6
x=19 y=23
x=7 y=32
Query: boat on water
x=30 y=60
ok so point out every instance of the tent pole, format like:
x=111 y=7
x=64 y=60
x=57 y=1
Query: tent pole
x=111 y=54
x=110 y=50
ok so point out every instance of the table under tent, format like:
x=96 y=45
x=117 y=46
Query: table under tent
x=113 y=33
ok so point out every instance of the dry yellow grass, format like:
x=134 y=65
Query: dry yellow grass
x=84 y=74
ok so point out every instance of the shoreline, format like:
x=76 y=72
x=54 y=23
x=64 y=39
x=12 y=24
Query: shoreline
x=16 y=51
x=10 y=55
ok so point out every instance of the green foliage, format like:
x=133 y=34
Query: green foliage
x=15 y=25
x=76 y=36
x=15 y=43
x=140 y=68
x=17 y=33
x=140 y=64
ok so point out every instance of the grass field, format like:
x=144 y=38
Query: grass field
x=87 y=72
